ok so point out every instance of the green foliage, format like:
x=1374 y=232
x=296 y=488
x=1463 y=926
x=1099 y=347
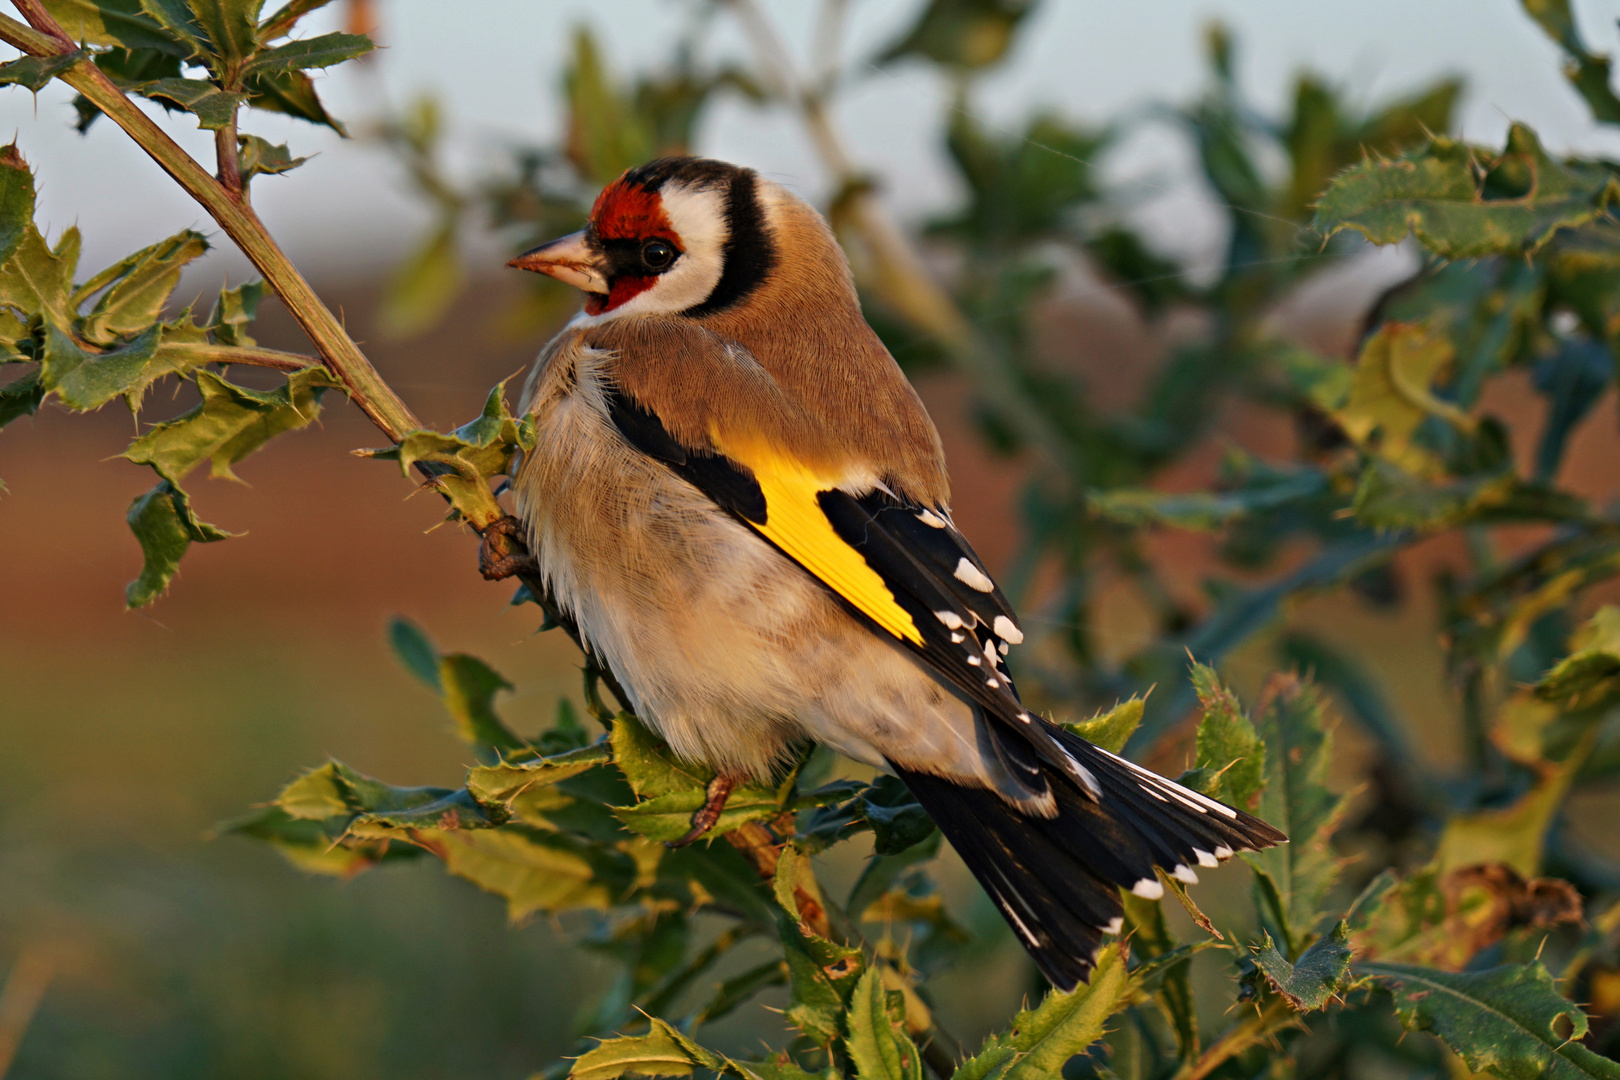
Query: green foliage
x=1464 y=202
x=1509 y=1021
x=86 y=344
x=461 y=463
x=1442 y=921
x=1041 y=1040
x=1319 y=975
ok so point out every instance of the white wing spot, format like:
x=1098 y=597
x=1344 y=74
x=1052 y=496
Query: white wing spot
x=957 y=639
x=1006 y=631
x=991 y=683
x=1149 y=889
x=1183 y=872
x=951 y=619
x=972 y=576
x=974 y=660
x=1205 y=858
x=1115 y=925
x=1003 y=648
x=1222 y=851
x=928 y=517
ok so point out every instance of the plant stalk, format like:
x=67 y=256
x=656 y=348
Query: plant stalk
x=248 y=356
x=1275 y=1016
x=44 y=38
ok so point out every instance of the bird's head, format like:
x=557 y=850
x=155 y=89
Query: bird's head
x=679 y=235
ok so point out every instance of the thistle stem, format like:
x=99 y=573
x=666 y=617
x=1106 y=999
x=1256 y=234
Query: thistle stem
x=44 y=37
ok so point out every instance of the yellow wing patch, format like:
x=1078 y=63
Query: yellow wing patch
x=795 y=523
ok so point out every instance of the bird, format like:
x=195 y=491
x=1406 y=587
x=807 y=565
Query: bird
x=742 y=504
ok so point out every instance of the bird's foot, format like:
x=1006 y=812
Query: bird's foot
x=705 y=819
x=502 y=554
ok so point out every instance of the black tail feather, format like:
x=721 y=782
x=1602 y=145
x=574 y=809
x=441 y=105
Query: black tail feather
x=1056 y=880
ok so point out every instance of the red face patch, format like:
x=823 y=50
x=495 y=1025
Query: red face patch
x=630 y=212
x=627 y=212
x=622 y=291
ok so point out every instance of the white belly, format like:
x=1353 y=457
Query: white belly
x=728 y=649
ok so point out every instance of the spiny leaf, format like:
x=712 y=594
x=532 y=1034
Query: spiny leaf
x=1111 y=730
x=877 y=1043
x=822 y=974
x=473 y=454
x=898 y=821
x=1317 y=977
x=84 y=380
x=230 y=423
x=1231 y=759
x=1041 y=1040
x=504 y=782
x=316 y=847
x=284 y=19
x=1391 y=394
x=663 y=1051
x=292 y=93
x=163 y=521
x=470 y=686
x=224 y=32
x=21 y=397
x=214 y=108
x=1389 y=497
x=137 y=288
x=34 y=72
x=1293 y=878
x=37 y=280
x=233 y=311
x=1204 y=511
x=16 y=201
x=534 y=870
x=1591 y=672
x=258 y=157
x=1505 y=1020
x=669 y=817
x=113 y=22
x=1462 y=203
x=317 y=52
x=648 y=763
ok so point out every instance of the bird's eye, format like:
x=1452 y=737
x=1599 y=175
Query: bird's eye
x=658 y=254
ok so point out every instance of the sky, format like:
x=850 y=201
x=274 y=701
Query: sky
x=496 y=68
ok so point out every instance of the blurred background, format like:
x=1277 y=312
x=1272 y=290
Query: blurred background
x=124 y=737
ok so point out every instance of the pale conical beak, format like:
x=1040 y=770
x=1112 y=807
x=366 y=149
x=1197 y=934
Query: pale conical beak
x=570 y=260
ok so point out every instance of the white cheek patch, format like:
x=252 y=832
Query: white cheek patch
x=698 y=216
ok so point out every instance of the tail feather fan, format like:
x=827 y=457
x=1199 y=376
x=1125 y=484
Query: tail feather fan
x=1056 y=880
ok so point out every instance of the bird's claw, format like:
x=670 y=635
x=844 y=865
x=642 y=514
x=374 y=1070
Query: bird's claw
x=706 y=817
x=502 y=553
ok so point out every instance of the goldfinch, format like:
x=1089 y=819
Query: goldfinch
x=743 y=505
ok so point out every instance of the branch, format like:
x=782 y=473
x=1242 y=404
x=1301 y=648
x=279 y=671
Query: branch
x=338 y=351
x=201 y=353
x=1257 y=1029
